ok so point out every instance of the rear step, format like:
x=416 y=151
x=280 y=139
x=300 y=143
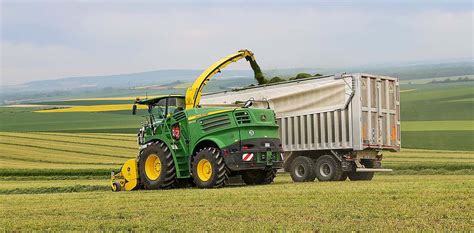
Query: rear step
x=373 y=170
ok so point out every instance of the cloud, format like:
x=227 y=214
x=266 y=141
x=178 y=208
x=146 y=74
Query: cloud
x=53 y=40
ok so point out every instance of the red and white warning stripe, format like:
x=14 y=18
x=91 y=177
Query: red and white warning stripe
x=247 y=156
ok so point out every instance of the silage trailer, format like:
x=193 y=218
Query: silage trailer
x=331 y=127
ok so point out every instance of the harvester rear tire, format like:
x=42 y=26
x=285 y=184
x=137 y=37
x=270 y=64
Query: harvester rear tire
x=328 y=169
x=253 y=177
x=302 y=169
x=209 y=169
x=166 y=177
x=343 y=177
x=357 y=176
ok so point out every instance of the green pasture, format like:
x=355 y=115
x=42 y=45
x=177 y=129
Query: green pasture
x=438 y=116
x=408 y=126
x=438 y=102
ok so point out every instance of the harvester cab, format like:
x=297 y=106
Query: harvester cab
x=182 y=143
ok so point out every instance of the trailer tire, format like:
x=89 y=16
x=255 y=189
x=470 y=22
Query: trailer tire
x=328 y=169
x=302 y=169
x=253 y=177
x=156 y=167
x=357 y=176
x=209 y=169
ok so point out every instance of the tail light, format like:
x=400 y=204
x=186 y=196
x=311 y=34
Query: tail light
x=176 y=132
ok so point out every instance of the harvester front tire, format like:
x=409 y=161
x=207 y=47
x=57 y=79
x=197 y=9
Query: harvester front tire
x=116 y=187
x=253 y=177
x=209 y=169
x=164 y=174
x=302 y=169
x=357 y=176
x=328 y=169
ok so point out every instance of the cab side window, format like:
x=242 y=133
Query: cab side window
x=175 y=105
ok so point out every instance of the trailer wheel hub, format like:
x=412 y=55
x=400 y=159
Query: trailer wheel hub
x=325 y=170
x=204 y=170
x=153 y=167
x=300 y=171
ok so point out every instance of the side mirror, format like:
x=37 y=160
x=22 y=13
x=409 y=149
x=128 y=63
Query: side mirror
x=248 y=103
x=134 y=109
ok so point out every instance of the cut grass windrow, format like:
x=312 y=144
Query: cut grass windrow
x=55 y=172
x=73 y=142
x=130 y=138
x=67 y=189
x=56 y=177
x=55 y=162
x=419 y=167
x=429 y=172
x=64 y=150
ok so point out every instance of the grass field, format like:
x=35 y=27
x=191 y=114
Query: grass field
x=59 y=181
x=431 y=202
x=55 y=168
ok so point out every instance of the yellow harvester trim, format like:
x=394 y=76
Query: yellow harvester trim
x=193 y=93
x=128 y=176
x=204 y=170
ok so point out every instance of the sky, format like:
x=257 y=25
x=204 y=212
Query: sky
x=56 y=39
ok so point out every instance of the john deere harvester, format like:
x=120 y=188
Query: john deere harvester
x=183 y=143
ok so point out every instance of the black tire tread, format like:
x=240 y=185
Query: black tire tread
x=259 y=177
x=170 y=171
x=222 y=171
x=311 y=175
x=360 y=176
x=336 y=166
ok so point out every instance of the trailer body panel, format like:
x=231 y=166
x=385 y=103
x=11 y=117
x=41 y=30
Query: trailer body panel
x=337 y=112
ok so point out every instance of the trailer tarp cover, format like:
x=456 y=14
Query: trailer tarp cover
x=294 y=98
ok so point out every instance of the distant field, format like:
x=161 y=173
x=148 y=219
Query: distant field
x=428 y=80
x=93 y=108
x=434 y=116
x=437 y=125
x=438 y=116
x=84 y=102
x=25 y=119
x=437 y=102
